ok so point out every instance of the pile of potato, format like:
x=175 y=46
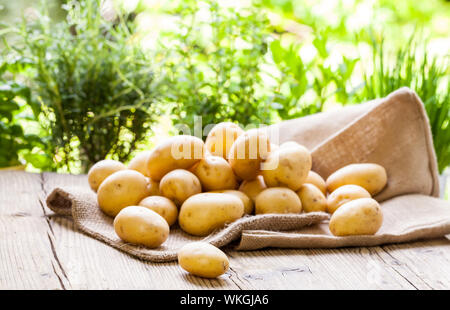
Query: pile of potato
x=234 y=173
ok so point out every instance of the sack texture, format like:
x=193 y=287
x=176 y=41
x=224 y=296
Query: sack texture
x=393 y=132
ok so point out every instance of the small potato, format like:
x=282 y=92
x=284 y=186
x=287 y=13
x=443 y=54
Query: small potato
x=163 y=206
x=178 y=185
x=101 y=170
x=248 y=152
x=312 y=198
x=203 y=259
x=370 y=176
x=252 y=188
x=142 y=226
x=139 y=162
x=122 y=189
x=203 y=213
x=277 y=200
x=248 y=203
x=215 y=173
x=287 y=167
x=179 y=152
x=221 y=138
x=343 y=195
x=153 y=187
x=358 y=217
x=315 y=179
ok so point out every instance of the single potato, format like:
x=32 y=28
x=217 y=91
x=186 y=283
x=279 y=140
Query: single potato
x=179 y=152
x=139 y=162
x=221 y=138
x=315 y=179
x=215 y=173
x=248 y=152
x=178 y=185
x=277 y=200
x=163 y=206
x=101 y=170
x=345 y=194
x=122 y=189
x=142 y=226
x=252 y=188
x=203 y=259
x=248 y=203
x=203 y=213
x=361 y=216
x=370 y=176
x=313 y=200
x=287 y=167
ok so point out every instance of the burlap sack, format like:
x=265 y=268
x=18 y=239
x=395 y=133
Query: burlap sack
x=392 y=131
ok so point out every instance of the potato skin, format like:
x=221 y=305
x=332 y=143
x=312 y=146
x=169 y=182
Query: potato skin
x=370 y=176
x=248 y=203
x=140 y=225
x=287 y=167
x=201 y=214
x=277 y=200
x=313 y=200
x=179 y=152
x=361 y=216
x=203 y=259
x=139 y=162
x=121 y=189
x=101 y=170
x=252 y=188
x=221 y=138
x=178 y=185
x=215 y=173
x=343 y=195
x=315 y=179
x=163 y=206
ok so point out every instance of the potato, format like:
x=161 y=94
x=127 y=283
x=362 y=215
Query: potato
x=313 y=200
x=215 y=173
x=101 y=170
x=153 y=187
x=203 y=259
x=343 y=195
x=287 y=167
x=247 y=153
x=252 y=188
x=221 y=138
x=248 y=203
x=361 y=216
x=122 y=189
x=178 y=185
x=163 y=206
x=203 y=213
x=139 y=162
x=370 y=176
x=179 y=152
x=277 y=200
x=315 y=179
x=142 y=226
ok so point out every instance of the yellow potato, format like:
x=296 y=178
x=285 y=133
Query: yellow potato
x=153 y=187
x=370 y=176
x=343 y=195
x=178 y=185
x=248 y=152
x=122 y=189
x=252 y=188
x=139 y=162
x=361 y=216
x=215 y=173
x=163 y=206
x=221 y=138
x=287 y=167
x=179 y=152
x=203 y=213
x=101 y=170
x=277 y=200
x=142 y=226
x=313 y=200
x=203 y=259
x=248 y=203
x=315 y=179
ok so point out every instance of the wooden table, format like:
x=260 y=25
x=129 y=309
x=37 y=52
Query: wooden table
x=39 y=250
